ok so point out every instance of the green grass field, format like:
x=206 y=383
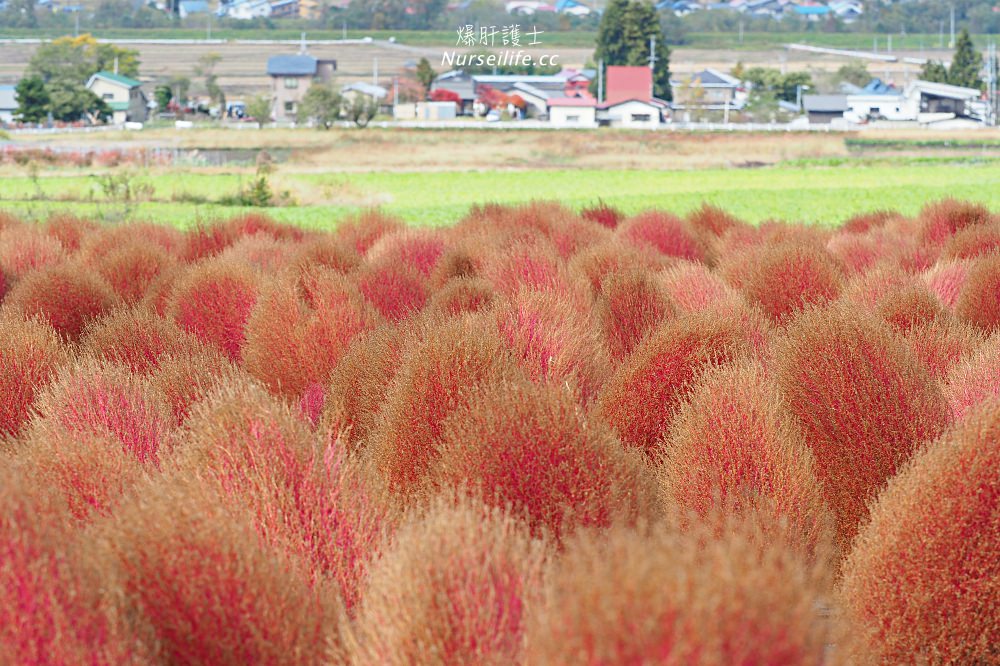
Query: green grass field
x=807 y=193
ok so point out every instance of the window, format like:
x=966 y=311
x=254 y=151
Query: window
x=572 y=119
x=640 y=117
x=289 y=107
x=107 y=96
x=291 y=82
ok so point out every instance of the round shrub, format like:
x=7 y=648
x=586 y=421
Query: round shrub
x=940 y=220
x=96 y=398
x=692 y=287
x=975 y=379
x=979 y=301
x=452 y=587
x=136 y=338
x=974 y=242
x=663 y=232
x=462 y=295
x=863 y=400
x=186 y=377
x=396 y=290
x=940 y=344
x=307 y=500
x=295 y=339
x=67 y=296
x=659 y=595
x=631 y=304
x=131 y=269
x=639 y=400
x=946 y=279
x=735 y=445
x=910 y=307
x=31 y=353
x=69 y=230
x=213 y=300
x=198 y=586
x=922 y=581
x=419 y=249
x=364 y=230
x=528 y=447
x=436 y=371
x=783 y=279
x=24 y=249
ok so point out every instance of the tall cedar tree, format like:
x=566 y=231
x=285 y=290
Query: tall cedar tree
x=32 y=100
x=623 y=39
x=966 y=64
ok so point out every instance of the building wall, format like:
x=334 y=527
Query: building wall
x=286 y=94
x=573 y=116
x=109 y=91
x=635 y=115
x=693 y=96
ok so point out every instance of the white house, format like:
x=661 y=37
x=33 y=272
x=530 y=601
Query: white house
x=123 y=94
x=922 y=102
x=632 y=113
x=572 y=112
x=248 y=9
x=8 y=103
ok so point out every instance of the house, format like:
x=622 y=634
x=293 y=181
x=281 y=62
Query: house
x=123 y=94
x=8 y=104
x=284 y=8
x=922 y=102
x=369 y=92
x=572 y=112
x=824 y=109
x=425 y=111
x=708 y=89
x=186 y=8
x=291 y=76
x=629 y=101
x=247 y=9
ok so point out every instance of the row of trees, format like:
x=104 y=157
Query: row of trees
x=54 y=85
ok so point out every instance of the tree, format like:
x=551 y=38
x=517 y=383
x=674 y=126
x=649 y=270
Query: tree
x=181 y=86
x=934 y=71
x=19 y=14
x=361 y=110
x=854 y=72
x=32 y=100
x=445 y=95
x=206 y=68
x=425 y=75
x=321 y=104
x=76 y=59
x=966 y=64
x=163 y=94
x=70 y=102
x=259 y=108
x=623 y=38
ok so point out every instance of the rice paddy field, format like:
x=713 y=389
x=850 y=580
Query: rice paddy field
x=811 y=192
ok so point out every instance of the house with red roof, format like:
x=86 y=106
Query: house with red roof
x=573 y=111
x=629 y=100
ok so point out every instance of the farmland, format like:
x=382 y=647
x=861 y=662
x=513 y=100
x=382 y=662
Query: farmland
x=536 y=435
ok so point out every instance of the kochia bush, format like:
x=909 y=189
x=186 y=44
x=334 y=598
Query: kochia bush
x=66 y=295
x=31 y=353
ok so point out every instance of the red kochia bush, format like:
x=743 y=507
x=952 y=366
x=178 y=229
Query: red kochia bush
x=438 y=368
x=67 y=296
x=975 y=379
x=304 y=499
x=603 y=214
x=68 y=229
x=48 y=614
x=363 y=231
x=462 y=295
x=659 y=595
x=979 y=301
x=735 y=445
x=186 y=377
x=295 y=338
x=396 y=290
x=922 y=582
x=528 y=447
x=106 y=239
x=945 y=280
x=31 y=354
x=693 y=287
x=942 y=343
x=911 y=307
x=136 y=338
x=974 y=242
x=417 y=248
x=553 y=341
x=595 y=263
x=25 y=249
x=213 y=300
x=631 y=304
x=783 y=279
x=131 y=269
x=94 y=397
x=199 y=587
x=711 y=221
x=88 y=467
x=640 y=398
x=864 y=402
x=939 y=221
x=452 y=587
x=667 y=234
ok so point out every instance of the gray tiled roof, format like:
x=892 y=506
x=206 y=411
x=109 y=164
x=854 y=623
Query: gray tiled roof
x=291 y=65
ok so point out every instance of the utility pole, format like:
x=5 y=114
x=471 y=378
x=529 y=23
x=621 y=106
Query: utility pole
x=741 y=30
x=951 y=44
x=76 y=23
x=652 y=66
x=600 y=81
x=343 y=30
x=208 y=27
x=375 y=72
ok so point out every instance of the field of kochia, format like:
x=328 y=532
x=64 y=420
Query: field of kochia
x=538 y=435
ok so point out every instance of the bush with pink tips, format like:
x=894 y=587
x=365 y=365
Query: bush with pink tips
x=922 y=580
x=942 y=343
x=31 y=354
x=864 y=402
x=137 y=339
x=975 y=379
x=979 y=301
x=693 y=287
x=453 y=586
x=67 y=296
x=28 y=248
x=396 y=291
x=667 y=234
x=631 y=304
x=131 y=269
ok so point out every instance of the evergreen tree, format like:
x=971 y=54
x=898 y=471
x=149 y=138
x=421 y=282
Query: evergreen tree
x=934 y=71
x=425 y=75
x=32 y=100
x=623 y=38
x=966 y=64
